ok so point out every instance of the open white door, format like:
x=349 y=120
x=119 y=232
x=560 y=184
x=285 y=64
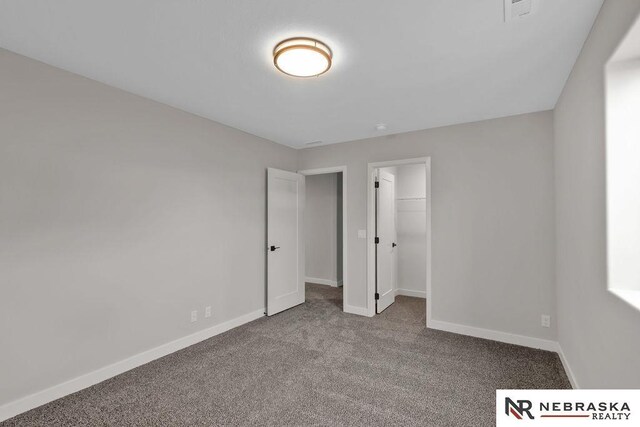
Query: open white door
x=285 y=240
x=385 y=247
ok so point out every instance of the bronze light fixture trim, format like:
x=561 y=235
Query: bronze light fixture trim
x=302 y=57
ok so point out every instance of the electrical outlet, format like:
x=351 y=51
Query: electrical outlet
x=194 y=316
x=545 y=320
x=207 y=311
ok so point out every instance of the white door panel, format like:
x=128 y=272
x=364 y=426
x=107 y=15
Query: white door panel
x=285 y=259
x=386 y=233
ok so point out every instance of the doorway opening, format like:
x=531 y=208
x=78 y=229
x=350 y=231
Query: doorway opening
x=399 y=230
x=325 y=236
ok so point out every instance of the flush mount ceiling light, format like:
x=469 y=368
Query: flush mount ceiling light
x=302 y=57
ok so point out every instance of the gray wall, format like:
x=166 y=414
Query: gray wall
x=599 y=333
x=492 y=218
x=323 y=221
x=118 y=216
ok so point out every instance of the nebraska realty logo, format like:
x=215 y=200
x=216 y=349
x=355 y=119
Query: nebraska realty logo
x=567 y=407
x=519 y=409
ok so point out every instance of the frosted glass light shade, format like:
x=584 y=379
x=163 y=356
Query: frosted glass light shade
x=302 y=57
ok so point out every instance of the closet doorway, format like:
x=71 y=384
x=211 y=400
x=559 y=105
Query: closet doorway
x=399 y=219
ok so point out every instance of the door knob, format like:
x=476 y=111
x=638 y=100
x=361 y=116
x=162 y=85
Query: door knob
x=273 y=248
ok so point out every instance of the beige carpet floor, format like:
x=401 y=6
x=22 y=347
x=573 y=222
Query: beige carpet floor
x=314 y=365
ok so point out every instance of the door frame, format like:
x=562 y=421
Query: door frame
x=345 y=234
x=371 y=227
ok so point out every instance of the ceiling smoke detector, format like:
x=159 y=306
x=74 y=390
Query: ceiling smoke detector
x=381 y=127
x=516 y=9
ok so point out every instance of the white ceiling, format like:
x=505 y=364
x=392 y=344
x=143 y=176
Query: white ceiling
x=412 y=64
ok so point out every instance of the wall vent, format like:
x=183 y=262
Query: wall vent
x=517 y=9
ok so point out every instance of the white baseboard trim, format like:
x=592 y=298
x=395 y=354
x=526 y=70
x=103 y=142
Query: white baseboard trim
x=318 y=281
x=26 y=403
x=509 y=339
x=567 y=368
x=410 y=293
x=489 y=334
x=356 y=310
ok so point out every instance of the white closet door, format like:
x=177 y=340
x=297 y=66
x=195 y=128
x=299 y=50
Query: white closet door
x=386 y=233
